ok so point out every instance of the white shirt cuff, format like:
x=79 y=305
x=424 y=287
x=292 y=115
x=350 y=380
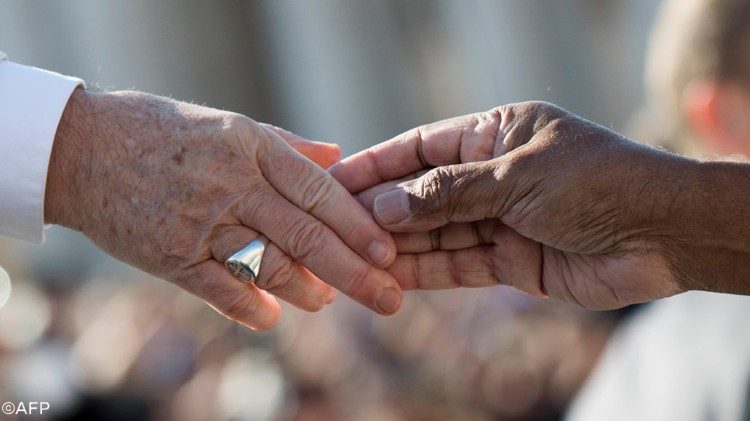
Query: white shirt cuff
x=31 y=104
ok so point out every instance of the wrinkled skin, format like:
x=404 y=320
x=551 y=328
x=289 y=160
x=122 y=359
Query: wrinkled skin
x=174 y=189
x=532 y=196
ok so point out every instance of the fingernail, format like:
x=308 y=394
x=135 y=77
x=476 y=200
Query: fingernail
x=392 y=207
x=379 y=253
x=331 y=296
x=389 y=300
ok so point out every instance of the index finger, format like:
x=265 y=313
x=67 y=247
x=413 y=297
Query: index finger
x=469 y=138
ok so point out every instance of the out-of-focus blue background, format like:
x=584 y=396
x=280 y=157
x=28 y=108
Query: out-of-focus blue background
x=98 y=339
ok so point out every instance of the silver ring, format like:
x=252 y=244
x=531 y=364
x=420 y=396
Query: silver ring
x=245 y=264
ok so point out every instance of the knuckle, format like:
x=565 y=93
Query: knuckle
x=279 y=278
x=534 y=114
x=234 y=122
x=242 y=132
x=433 y=191
x=539 y=107
x=316 y=192
x=357 y=282
x=250 y=206
x=419 y=138
x=223 y=241
x=559 y=127
x=306 y=239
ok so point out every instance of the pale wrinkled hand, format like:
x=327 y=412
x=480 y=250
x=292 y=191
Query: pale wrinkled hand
x=527 y=195
x=175 y=189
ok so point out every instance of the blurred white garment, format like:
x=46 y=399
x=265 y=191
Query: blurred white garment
x=31 y=104
x=683 y=358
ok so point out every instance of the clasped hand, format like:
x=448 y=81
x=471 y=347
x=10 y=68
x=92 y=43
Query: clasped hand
x=526 y=195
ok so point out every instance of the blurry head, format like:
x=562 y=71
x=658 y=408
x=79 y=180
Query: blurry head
x=698 y=76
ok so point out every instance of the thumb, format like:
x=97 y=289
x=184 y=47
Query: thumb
x=455 y=193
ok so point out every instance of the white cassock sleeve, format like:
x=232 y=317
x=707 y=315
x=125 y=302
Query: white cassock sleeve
x=31 y=104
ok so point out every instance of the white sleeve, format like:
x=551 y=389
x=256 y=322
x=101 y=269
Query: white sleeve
x=31 y=103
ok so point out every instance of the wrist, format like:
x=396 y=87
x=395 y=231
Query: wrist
x=711 y=227
x=69 y=160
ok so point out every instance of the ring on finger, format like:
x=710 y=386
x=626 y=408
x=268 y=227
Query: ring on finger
x=245 y=263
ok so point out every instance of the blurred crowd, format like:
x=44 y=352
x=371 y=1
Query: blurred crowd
x=131 y=347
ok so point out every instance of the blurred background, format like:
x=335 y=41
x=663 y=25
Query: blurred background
x=100 y=340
